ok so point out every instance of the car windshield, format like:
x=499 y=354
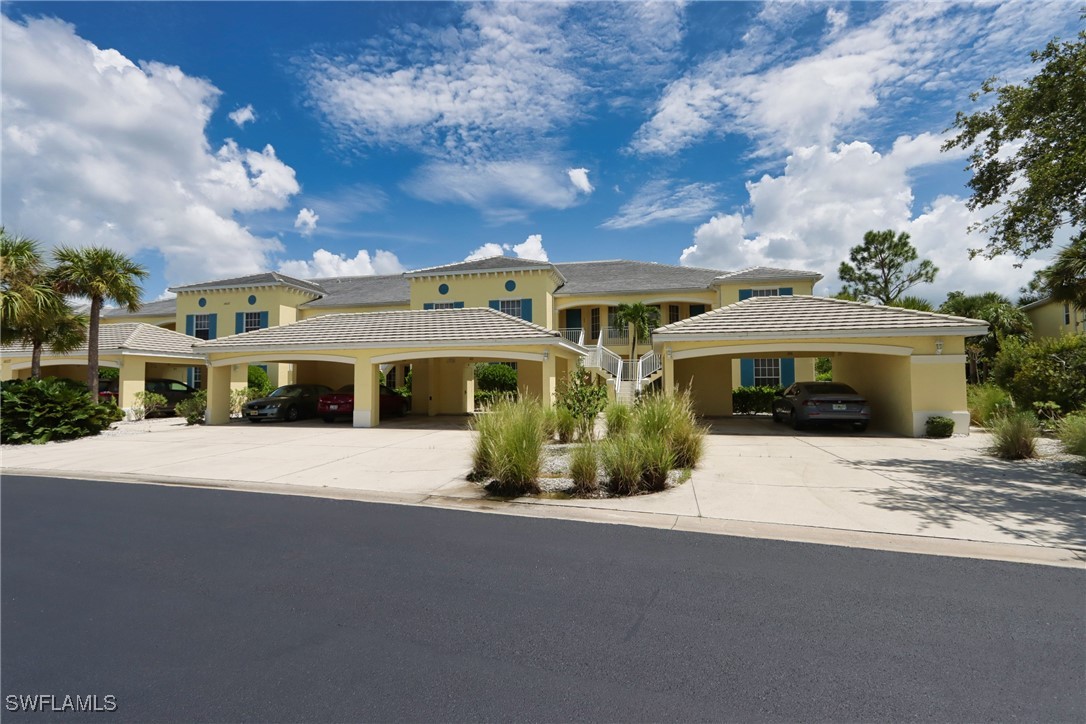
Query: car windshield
x=346 y=390
x=830 y=388
x=289 y=391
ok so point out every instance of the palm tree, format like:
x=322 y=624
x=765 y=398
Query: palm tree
x=640 y=319
x=1003 y=317
x=61 y=332
x=918 y=304
x=1065 y=278
x=25 y=289
x=100 y=274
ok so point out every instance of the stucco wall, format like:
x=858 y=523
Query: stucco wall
x=477 y=290
x=886 y=382
x=710 y=382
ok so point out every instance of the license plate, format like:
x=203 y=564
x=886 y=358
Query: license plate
x=333 y=407
x=840 y=407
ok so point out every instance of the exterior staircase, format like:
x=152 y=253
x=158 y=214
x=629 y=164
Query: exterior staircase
x=628 y=377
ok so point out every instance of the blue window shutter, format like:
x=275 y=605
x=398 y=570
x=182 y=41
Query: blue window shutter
x=239 y=322
x=696 y=309
x=573 y=318
x=785 y=292
x=263 y=320
x=190 y=324
x=495 y=304
x=458 y=305
x=428 y=305
x=526 y=309
x=745 y=294
x=746 y=372
x=212 y=327
x=190 y=377
x=788 y=371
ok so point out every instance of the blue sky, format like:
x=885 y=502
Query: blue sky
x=215 y=139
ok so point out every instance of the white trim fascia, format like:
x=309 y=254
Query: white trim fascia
x=57 y=362
x=742 y=349
x=1038 y=303
x=254 y=285
x=454 y=352
x=661 y=297
x=827 y=333
x=937 y=359
x=422 y=274
x=115 y=352
x=241 y=359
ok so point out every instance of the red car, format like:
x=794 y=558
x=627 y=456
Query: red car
x=341 y=403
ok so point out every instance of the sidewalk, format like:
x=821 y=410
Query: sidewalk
x=925 y=496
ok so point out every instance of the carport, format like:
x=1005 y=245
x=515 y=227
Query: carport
x=442 y=347
x=139 y=351
x=910 y=365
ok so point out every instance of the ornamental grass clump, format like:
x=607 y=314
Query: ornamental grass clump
x=622 y=463
x=508 y=447
x=657 y=461
x=985 y=402
x=672 y=419
x=584 y=468
x=1072 y=433
x=565 y=423
x=618 y=417
x=1014 y=436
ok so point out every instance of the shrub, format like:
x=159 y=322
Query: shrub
x=619 y=418
x=621 y=458
x=986 y=402
x=823 y=369
x=585 y=399
x=37 y=411
x=486 y=398
x=584 y=469
x=147 y=403
x=485 y=427
x=238 y=398
x=495 y=377
x=565 y=424
x=1014 y=436
x=194 y=408
x=109 y=373
x=657 y=460
x=259 y=383
x=550 y=423
x=754 y=400
x=1045 y=370
x=1072 y=433
x=939 y=426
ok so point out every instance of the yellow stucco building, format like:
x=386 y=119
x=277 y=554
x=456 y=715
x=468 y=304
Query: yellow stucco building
x=1055 y=319
x=544 y=319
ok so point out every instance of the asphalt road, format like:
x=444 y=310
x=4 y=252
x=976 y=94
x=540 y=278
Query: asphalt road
x=200 y=605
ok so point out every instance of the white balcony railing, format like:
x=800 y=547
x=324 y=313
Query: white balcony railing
x=617 y=335
x=573 y=334
x=649 y=364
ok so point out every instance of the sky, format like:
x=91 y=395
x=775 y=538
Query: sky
x=209 y=140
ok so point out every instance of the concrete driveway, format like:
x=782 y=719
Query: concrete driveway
x=758 y=479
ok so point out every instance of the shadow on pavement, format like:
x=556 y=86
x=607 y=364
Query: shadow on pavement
x=1044 y=504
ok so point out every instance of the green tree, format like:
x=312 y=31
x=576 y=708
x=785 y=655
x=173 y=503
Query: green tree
x=1045 y=370
x=1005 y=321
x=918 y=304
x=1028 y=153
x=100 y=274
x=884 y=267
x=1065 y=278
x=640 y=319
x=61 y=332
x=26 y=291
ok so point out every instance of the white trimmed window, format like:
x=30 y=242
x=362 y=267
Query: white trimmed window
x=765 y=292
x=767 y=372
x=672 y=313
x=201 y=326
x=444 y=305
x=594 y=319
x=198 y=372
x=1066 y=313
x=252 y=321
x=512 y=307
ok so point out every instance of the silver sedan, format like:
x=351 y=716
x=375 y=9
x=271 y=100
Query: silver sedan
x=821 y=402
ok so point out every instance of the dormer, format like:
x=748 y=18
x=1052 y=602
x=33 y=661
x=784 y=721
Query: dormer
x=761 y=281
x=520 y=287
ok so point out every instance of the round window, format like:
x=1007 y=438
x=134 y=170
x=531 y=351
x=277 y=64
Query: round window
x=510 y=285
x=443 y=289
x=202 y=302
x=252 y=299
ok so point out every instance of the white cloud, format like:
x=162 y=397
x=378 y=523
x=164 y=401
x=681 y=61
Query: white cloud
x=660 y=201
x=306 y=221
x=820 y=206
x=328 y=264
x=99 y=150
x=530 y=248
x=243 y=115
x=579 y=178
x=497 y=186
x=912 y=59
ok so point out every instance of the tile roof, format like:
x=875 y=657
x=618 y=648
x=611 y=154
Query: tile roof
x=253 y=280
x=129 y=337
x=361 y=291
x=159 y=308
x=616 y=276
x=805 y=316
x=487 y=264
x=390 y=329
x=756 y=273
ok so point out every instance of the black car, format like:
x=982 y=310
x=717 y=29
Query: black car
x=172 y=390
x=289 y=402
x=806 y=403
